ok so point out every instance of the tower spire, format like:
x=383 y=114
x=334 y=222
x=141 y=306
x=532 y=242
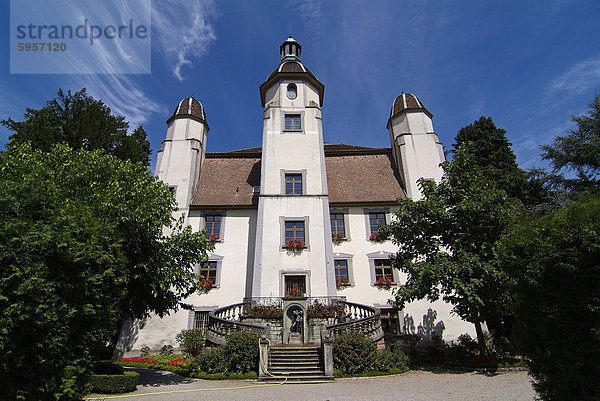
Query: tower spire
x=290 y=49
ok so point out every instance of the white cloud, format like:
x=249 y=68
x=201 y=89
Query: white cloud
x=122 y=94
x=579 y=78
x=182 y=31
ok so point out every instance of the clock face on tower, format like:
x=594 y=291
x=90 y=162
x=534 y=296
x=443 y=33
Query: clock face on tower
x=291 y=91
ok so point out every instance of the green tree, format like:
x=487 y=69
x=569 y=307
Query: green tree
x=447 y=242
x=555 y=263
x=577 y=155
x=81 y=122
x=81 y=248
x=493 y=154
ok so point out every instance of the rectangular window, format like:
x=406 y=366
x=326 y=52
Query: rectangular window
x=294 y=230
x=341 y=271
x=376 y=219
x=337 y=224
x=208 y=269
x=293 y=184
x=383 y=269
x=213 y=226
x=293 y=122
x=201 y=321
x=295 y=284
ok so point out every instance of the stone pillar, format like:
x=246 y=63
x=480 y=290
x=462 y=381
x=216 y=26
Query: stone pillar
x=327 y=349
x=264 y=356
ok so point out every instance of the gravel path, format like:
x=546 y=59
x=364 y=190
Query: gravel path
x=414 y=385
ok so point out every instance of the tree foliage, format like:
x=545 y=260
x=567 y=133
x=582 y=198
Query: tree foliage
x=577 y=153
x=81 y=247
x=493 y=154
x=555 y=263
x=447 y=242
x=81 y=122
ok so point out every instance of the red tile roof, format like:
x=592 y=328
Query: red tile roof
x=363 y=178
x=355 y=175
x=228 y=182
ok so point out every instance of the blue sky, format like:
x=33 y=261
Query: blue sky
x=530 y=65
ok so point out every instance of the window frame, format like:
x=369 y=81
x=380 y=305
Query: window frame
x=285 y=173
x=285 y=114
x=219 y=264
x=349 y=265
x=282 y=229
x=368 y=212
x=192 y=314
x=343 y=212
x=381 y=255
x=222 y=214
x=284 y=273
x=296 y=182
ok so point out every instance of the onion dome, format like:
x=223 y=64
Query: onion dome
x=407 y=102
x=189 y=108
x=291 y=67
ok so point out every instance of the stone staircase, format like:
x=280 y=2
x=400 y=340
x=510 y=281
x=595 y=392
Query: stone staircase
x=297 y=364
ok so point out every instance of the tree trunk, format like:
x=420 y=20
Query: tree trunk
x=480 y=338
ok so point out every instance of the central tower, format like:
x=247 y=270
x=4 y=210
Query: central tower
x=293 y=234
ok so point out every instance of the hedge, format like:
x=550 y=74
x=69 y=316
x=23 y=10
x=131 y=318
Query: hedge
x=114 y=384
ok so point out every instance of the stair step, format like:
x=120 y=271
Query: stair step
x=295 y=364
x=303 y=379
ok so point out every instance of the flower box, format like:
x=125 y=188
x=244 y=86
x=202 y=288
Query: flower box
x=205 y=285
x=337 y=238
x=341 y=283
x=385 y=283
x=294 y=293
x=295 y=244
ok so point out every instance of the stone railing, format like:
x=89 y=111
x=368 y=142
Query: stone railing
x=224 y=321
x=359 y=318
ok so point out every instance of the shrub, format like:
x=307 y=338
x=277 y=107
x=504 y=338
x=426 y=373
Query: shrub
x=353 y=352
x=145 y=352
x=240 y=352
x=107 y=368
x=166 y=350
x=209 y=361
x=191 y=341
x=391 y=358
x=114 y=384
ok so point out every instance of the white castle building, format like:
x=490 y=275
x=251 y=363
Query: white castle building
x=330 y=197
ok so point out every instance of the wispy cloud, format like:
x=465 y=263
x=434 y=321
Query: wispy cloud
x=578 y=79
x=122 y=94
x=182 y=31
x=312 y=13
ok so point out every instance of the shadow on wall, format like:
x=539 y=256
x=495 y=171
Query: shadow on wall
x=128 y=337
x=427 y=330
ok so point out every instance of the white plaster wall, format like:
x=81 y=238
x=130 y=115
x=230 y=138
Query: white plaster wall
x=276 y=260
x=239 y=231
x=419 y=150
x=181 y=157
x=364 y=292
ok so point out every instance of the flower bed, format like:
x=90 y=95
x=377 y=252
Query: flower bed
x=265 y=311
x=322 y=311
